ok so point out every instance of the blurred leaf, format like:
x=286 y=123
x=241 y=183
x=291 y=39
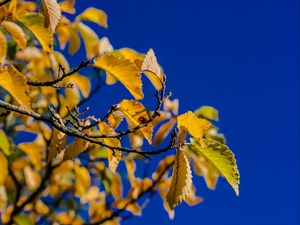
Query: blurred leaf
x=16 y=33
x=207 y=112
x=94 y=15
x=52 y=13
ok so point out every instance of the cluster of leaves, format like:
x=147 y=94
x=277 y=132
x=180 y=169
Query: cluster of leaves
x=79 y=168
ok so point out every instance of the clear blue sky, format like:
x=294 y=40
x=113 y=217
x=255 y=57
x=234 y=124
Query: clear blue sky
x=241 y=57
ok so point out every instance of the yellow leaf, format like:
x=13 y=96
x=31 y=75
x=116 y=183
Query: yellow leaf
x=82 y=180
x=113 y=157
x=32 y=178
x=4 y=143
x=115 y=118
x=222 y=159
x=3 y=49
x=124 y=70
x=116 y=186
x=181 y=184
x=131 y=207
x=82 y=82
x=68 y=6
x=63 y=32
x=3 y=198
x=136 y=114
x=29 y=54
x=52 y=13
x=57 y=144
x=207 y=112
x=16 y=32
x=16 y=84
x=94 y=15
x=34 y=22
x=90 y=39
x=41 y=207
x=74 y=43
x=76 y=147
x=163 y=131
x=152 y=70
x=3 y=168
x=195 y=126
x=104 y=46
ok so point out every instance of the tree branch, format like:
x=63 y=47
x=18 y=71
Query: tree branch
x=4 y=2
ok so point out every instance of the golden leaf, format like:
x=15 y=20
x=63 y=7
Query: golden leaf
x=152 y=70
x=76 y=147
x=163 y=131
x=104 y=46
x=34 y=22
x=115 y=118
x=124 y=70
x=114 y=157
x=207 y=112
x=3 y=49
x=181 y=184
x=94 y=15
x=4 y=143
x=222 y=159
x=75 y=42
x=16 y=84
x=82 y=179
x=68 y=6
x=32 y=178
x=3 y=168
x=52 y=13
x=195 y=126
x=136 y=114
x=90 y=39
x=63 y=32
x=57 y=144
x=3 y=198
x=16 y=32
x=82 y=83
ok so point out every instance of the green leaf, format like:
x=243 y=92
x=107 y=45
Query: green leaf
x=23 y=220
x=207 y=112
x=222 y=160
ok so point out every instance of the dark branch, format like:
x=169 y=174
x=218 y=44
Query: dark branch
x=4 y=2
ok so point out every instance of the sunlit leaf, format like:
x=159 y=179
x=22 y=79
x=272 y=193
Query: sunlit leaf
x=32 y=178
x=4 y=143
x=193 y=125
x=94 y=15
x=181 y=184
x=3 y=49
x=57 y=144
x=136 y=114
x=3 y=168
x=163 y=131
x=52 y=13
x=16 y=84
x=222 y=159
x=123 y=70
x=74 y=43
x=68 y=6
x=16 y=32
x=207 y=112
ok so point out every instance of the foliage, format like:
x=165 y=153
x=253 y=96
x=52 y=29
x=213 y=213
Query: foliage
x=76 y=168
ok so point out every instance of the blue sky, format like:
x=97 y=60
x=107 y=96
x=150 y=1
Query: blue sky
x=241 y=57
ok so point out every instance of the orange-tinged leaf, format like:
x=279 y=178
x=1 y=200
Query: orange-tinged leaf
x=16 y=32
x=136 y=114
x=94 y=15
x=3 y=198
x=16 y=84
x=82 y=179
x=52 y=13
x=76 y=147
x=124 y=70
x=115 y=118
x=195 y=126
x=152 y=70
x=68 y=6
x=3 y=49
x=181 y=184
x=3 y=168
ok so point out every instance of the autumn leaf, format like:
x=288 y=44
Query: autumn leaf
x=136 y=114
x=152 y=70
x=34 y=22
x=163 y=131
x=16 y=84
x=4 y=143
x=76 y=147
x=90 y=39
x=74 y=43
x=94 y=15
x=57 y=144
x=181 y=184
x=193 y=125
x=68 y=6
x=3 y=49
x=52 y=13
x=124 y=70
x=207 y=112
x=222 y=160
x=32 y=178
x=3 y=168
x=16 y=32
